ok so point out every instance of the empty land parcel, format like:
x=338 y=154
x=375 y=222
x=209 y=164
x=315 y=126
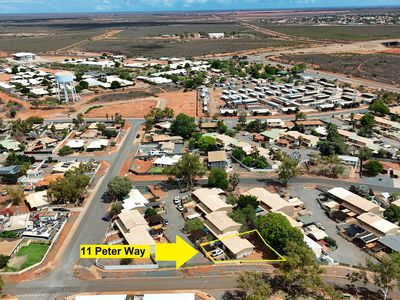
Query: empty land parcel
x=136 y=35
x=383 y=67
x=195 y=47
x=337 y=32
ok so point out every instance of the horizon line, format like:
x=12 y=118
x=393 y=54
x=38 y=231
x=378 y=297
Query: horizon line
x=350 y=7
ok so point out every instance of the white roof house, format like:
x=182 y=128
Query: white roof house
x=94 y=82
x=101 y=297
x=10 y=145
x=354 y=202
x=210 y=200
x=97 y=144
x=122 y=82
x=130 y=220
x=6 y=86
x=167 y=160
x=216 y=35
x=37 y=200
x=176 y=296
x=135 y=200
x=139 y=236
x=314 y=246
x=377 y=225
x=63 y=167
x=17 y=222
x=39 y=92
x=270 y=201
x=75 y=144
x=24 y=56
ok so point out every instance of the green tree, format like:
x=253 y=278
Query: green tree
x=300 y=116
x=247 y=200
x=234 y=180
x=116 y=208
x=392 y=213
x=206 y=142
x=373 y=167
x=277 y=231
x=16 y=195
x=288 y=169
x=394 y=196
x=14 y=70
x=364 y=154
x=150 y=212
x=3 y=261
x=300 y=268
x=183 y=125
x=70 y=188
x=231 y=198
x=65 y=150
x=358 y=279
x=379 y=107
x=218 y=178
x=119 y=187
x=367 y=124
x=84 y=84
x=78 y=121
x=386 y=272
x=238 y=153
x=187 y=169
x=245 y=216
x=101 y=127
x=334 y=144
x=254 y=285
x=193 y=225
x=242 y=118
x=115 y=85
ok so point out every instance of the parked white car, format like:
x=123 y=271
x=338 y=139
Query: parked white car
x=216 y=252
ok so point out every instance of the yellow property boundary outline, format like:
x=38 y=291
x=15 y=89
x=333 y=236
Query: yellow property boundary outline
x=281 y=258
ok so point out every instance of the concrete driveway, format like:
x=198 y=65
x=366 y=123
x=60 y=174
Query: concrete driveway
x=176 y=223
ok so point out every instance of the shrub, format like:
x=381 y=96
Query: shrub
x=65 y=150
x=125 y=261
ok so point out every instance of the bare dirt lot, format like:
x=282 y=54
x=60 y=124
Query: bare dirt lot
x=383 y=67
x=131 y=109
x=339 y=33
x=132 y=35
x=181 y=102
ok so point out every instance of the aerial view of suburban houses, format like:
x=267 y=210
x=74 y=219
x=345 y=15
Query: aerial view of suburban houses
x=193 y=150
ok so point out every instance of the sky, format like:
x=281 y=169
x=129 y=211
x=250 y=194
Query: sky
x=67 y=6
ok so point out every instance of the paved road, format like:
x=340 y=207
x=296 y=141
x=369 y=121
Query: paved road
x=92 y=228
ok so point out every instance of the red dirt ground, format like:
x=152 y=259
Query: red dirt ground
x=181 y=102
x=132 y=109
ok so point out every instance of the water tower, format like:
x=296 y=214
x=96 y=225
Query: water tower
x=65 y=84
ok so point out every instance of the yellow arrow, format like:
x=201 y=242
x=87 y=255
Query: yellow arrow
x=180 y=252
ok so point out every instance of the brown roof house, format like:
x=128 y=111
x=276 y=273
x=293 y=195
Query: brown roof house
x=217 y=159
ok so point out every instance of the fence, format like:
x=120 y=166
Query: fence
x=252 y=169
x=44 y=256
x=125 y=267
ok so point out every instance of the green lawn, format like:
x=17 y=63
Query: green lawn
x=34 y=252
x=156 y=170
